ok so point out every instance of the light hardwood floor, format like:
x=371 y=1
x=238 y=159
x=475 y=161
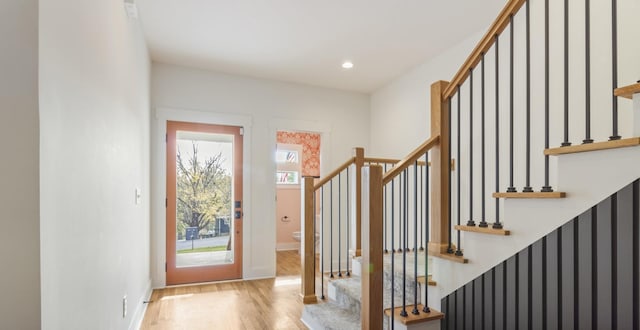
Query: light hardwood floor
x=259 y=304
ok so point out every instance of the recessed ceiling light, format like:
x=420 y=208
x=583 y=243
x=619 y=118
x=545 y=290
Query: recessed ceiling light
x=347 y=65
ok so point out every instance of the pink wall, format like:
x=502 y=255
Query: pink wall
x=288 y=204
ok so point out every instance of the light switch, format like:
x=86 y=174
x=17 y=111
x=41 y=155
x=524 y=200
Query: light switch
x=138 y=195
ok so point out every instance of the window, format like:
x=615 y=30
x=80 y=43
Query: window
x=286 y=156
x=288 y=172
x=288 y=177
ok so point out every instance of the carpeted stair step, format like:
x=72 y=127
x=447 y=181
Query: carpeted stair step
x=345 y=293
x=329 y=316
x=348 y=294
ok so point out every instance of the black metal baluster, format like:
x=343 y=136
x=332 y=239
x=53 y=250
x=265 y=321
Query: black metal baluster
x=425 y=303
x=587 y=80
x=405 y=206
x=544 y=283
x=471 y=222
x=547 y=186
x=415 y=310
x=614 y=259
x=402 y=211
x=450 y=248
x=348 y=225
x=566 y=142
x=497 y=224
x=483 y=220
x=421 y=208
x=386 y=236
x=331 y=228
x=527 y=187
x=393 y=215
x=459 y=170
x=423 y=191
x=340 y=224
x=322 y=242
x=511 y=187
x=315 y=219
x=614 y=67
x=636 y=251
x=393 y=286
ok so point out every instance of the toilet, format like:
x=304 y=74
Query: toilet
x=297 y=235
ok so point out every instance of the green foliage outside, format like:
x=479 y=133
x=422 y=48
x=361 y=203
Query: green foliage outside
x=203 y=190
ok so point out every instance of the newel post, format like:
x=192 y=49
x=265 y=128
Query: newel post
x=308 y=258
x=372 y=272
x=359 y=163
x=441 y=165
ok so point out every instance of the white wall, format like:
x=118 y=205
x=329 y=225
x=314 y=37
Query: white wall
x=263 y=107
x=94 y=111
x=400 y=116
x=19 y=195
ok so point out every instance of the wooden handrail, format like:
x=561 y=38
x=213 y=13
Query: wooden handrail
x=334 y=173
x=410 y=159
x=389 y=161
x=500 y=23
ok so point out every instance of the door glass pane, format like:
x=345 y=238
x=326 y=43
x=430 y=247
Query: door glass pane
x=204 y=184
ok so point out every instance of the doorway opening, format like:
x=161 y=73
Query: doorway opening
x=297 y=156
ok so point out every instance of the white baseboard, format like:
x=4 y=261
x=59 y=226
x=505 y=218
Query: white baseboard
x=309 y=321
x=141 y=309
x=287 y=246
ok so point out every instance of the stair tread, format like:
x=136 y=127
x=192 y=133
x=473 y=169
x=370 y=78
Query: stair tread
x=627 y=91
x=553 y=194
x=622 y=143
x=431 y=281
x=413 y=319
x=485 y=230
x=450 y=257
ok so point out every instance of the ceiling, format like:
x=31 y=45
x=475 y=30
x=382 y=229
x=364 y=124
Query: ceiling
x=306 y=41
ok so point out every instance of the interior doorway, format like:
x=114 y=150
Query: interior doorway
x=297 y=156
x=204 y=202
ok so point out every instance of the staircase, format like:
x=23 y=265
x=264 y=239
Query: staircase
x=342 y=309
x=527 y=136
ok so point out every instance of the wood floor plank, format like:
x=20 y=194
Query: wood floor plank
x=259 y=304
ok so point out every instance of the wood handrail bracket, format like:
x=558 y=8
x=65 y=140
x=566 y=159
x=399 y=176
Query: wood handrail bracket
x=500 y=23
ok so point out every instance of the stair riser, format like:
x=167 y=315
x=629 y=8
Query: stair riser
x=342 y=298
x=387 y=275
x=351 y=300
